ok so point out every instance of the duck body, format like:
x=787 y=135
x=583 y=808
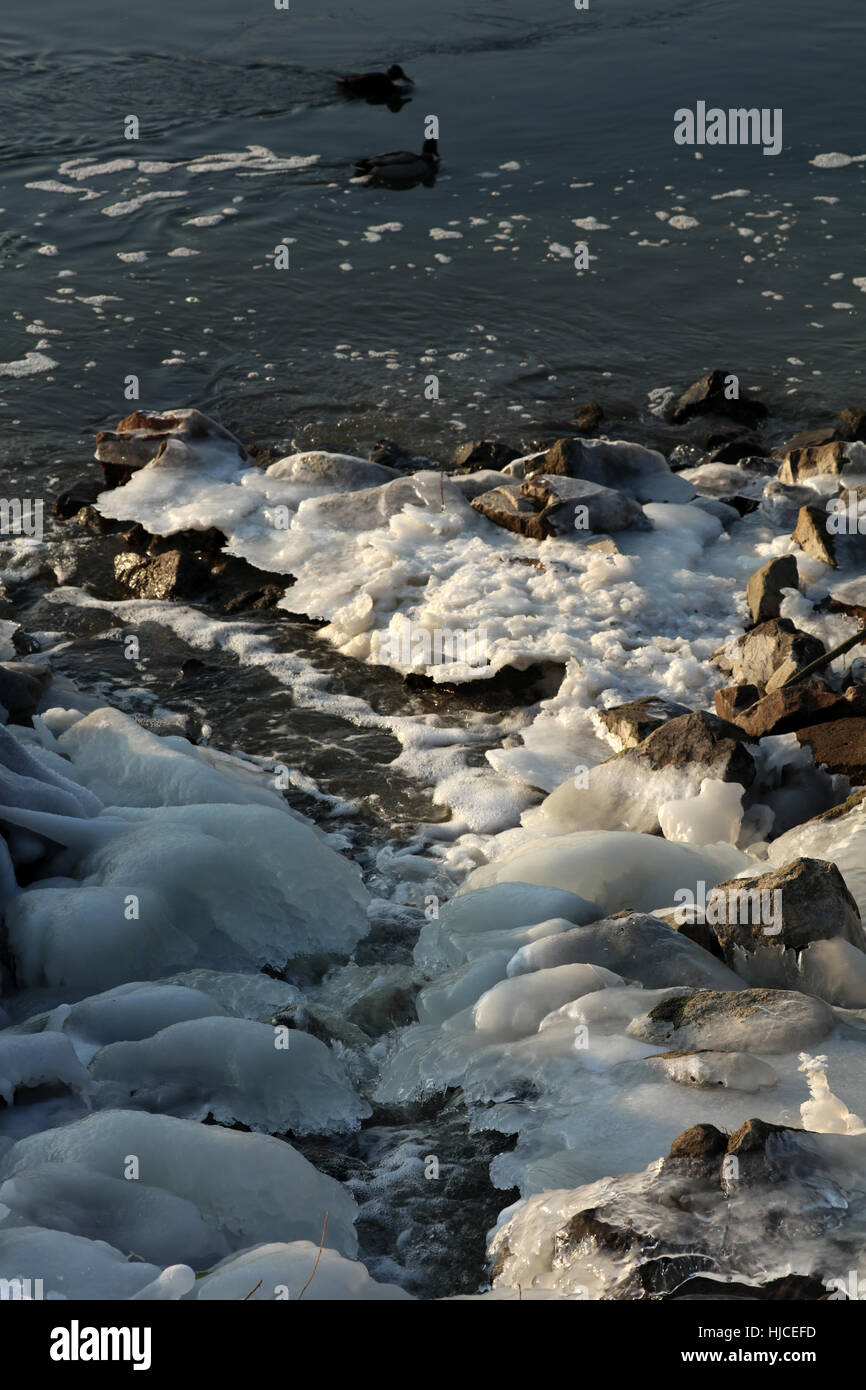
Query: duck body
x=389 y=86
x=402 y=166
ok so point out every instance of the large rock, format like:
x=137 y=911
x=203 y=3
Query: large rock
x=707 y=397
x=506 y=507
x=840 y=746
x=792 y=707
x=626 y=726
x=748 y=1020
x=483 y=453
x=813 y=537
x=173 y=574
x=813 y=905
x=702 y=742
x=342 y=472
x=827 y=460
x=572 y=505
x=764 y=590
x=22 y=684
x=642 y=473
x=753 y=658
x=144 y=437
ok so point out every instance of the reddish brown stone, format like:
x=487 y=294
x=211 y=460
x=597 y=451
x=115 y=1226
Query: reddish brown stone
x=840 y=746
x=795 y=706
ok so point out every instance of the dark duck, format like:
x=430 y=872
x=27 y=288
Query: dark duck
x=401 y=167
x=390 y=87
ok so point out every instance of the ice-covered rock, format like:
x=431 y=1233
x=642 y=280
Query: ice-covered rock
x=284 y=1271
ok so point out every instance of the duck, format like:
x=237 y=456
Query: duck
x=390 y=86
x=401 y=166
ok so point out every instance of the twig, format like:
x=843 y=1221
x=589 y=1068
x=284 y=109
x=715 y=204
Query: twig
x=826 y=658
x=251 y=1292
x=318 y=1257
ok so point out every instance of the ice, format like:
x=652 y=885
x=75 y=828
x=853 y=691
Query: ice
x=41 y=1059
x=282 y=1270
x=713 y=816
x=251 y=1187
x=825 y=1112
x=272 y=1080
x=133 y=1217
x=448 y=938
x=614 y=868
x=70 y=1266
x=514 y=1008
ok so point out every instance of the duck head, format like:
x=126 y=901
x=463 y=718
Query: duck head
x=396 y=74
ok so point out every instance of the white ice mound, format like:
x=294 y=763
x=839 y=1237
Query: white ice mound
x=475 y=921
x=126 y=765
x=250 y=1187
x=712 y=817
x=137 y=1219
x=514 y=1008
x=250 y=886
x=614 y=868
x=281 y=1270
x=70 y=1266
x=39 y=1059
x=271 y=1079
x=824 y=1112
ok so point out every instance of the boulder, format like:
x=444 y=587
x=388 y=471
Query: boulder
x=733 y=700
x=839 y=745
x=572 y=505
x=173 y=574
x=588 y=417
x=144 y=437
x=483 y=453
x=707 y=396
x=642 y=473
x=505 y=506
x=827 y=460
x=701 y=742
x=764 y=589
x=753 y=658
x=22 y=684
x=814 y=905
x=748 y=1020
x=625 y=726
x=789 y=708
x=812 y=536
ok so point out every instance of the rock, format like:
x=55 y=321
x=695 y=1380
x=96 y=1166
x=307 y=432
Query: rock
x=642 y=473
x=143 y=438
x=821 y=460
x=741 y=451
x=764 y=589
x=812 y=536
x=749 y=1020
x=813 y=904
x=752 y=659
x=840 y=746
x=735 y=1070
x=781 y=502
x=342 y=472
x=472 y=485
x=173 y=574
x=700 y=741
x=637 y=946
x=707 y=397
x=854 y=424
x=625 y=726
x=505 y=506
x=785 y=710
x=588 y=417
x=392 y=455
x=572 y=505
x=733 y=700
x=699 y=1141
x=22 y=684
x=82 y=493
x=483 y=453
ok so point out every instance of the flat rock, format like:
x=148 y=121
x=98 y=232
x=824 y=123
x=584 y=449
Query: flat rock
x=506 y=507
x=839 y=745
x=764 y=590
x=748 y=1020
x=572 y=505
x=628 y=725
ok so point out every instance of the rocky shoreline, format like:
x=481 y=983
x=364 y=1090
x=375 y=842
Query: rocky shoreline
x=600 y=967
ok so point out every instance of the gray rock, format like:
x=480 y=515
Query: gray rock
x=483 y=453
x=747 y=1020
x=764 y=589
x=22 y=684
x=707 y=396
x=573 y=505
x=628 y=725
x=642 y=473
x=507 y=507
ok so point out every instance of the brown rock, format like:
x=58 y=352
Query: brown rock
x=764 y=589
x=700 y=1141
x=21 y=687
x=840 y=746
x=173 y=574
x=814 y=903
x=785 y=710
x=483 y=453
x=753 y=658
x=707 y=397
x=812 y=536
x=702 y=739
x=823 y=459
x=588 y=417
x=631 y=723
x=732 y=700
x=505 y=506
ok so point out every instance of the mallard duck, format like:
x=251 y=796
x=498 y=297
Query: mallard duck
x=401 y=166
x=377 y=86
